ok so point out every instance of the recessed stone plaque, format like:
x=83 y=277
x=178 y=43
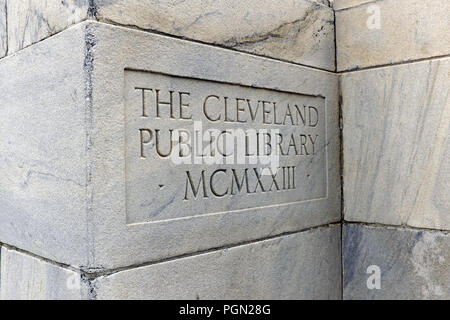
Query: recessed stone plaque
x=196 y=147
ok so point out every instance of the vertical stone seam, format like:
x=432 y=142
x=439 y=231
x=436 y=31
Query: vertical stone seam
x=341 y=175
x=341 y=145
x=342 y=260
x=6 y=28
x=92 y=10
x=91 y=293
x=335 y=41
x=341 y=151
x=88 y=67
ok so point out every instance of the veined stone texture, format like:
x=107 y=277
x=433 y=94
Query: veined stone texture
x=24 y=277
x=344 y=4
x=407 y=30
x=30 y=21
x=63 y=190
x=396 y=142
x=304 y=265
x=70 y=193
x=413 y=264
x=43 y=149
x=3 y=31
x=324 y=2
x=299 y=31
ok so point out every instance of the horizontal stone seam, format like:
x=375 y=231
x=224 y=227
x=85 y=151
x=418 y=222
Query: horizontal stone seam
x=104 y=273
x=400 y=63
x=391 y=226
x=43 y=259
x=133 y=27
x=91 y=275
x=357 y=5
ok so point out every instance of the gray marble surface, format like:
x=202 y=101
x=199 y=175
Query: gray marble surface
x=43 y=157
x=406 y=30
x=64 y=185
x=413 y=264
x=3 y=31
x=24 y=277
x=30 y=21
x=300 y=31
x=396 y=145
x=304 y=265
x=345 y=4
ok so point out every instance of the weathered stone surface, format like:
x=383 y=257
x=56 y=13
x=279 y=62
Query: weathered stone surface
x=396 y=144
x=343 y=4
x=413 y=264
x=24 y=277
x=300 y=31
x=65 y=166
x=324 y=2
x=408 y=30
x=3 y=31
x=43 y=149
x=30 y=21
x=304 y=265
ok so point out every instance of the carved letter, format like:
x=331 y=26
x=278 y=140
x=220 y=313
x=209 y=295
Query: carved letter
x=158 y=150
x=303 y=141
x=213 y=190
x=143 y=99
x=311 y=124
x=145 y=140
x=182 y=105
x=191 y=184
x=204 y=108
x=313 y=141
x=258 y=180
x=301 y=115
x=169 y=103
x=239 y=110
x=239 y=185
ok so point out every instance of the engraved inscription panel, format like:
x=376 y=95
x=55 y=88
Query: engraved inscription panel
x=197 y=147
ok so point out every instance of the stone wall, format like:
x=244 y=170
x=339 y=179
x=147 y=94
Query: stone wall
x=395 y=74
x=299 y=31
x=90 y=209
x=77 y=219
